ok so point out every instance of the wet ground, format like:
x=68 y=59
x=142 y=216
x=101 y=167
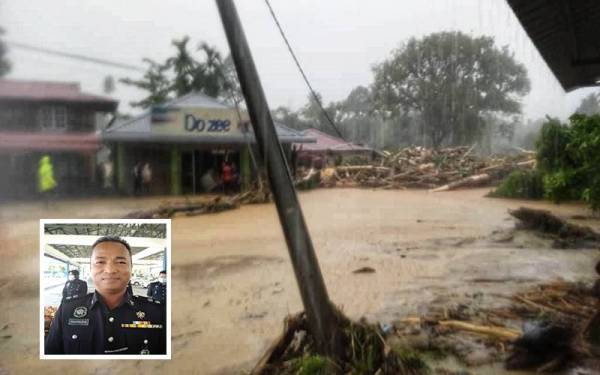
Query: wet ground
x=233 y=283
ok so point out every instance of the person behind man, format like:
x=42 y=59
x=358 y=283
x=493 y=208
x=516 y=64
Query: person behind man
x=158 y=289
x=110 y=320
x=74 y=288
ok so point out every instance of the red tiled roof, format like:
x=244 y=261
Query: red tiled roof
x=49 y=142
x=47 y=91
x=327 y=142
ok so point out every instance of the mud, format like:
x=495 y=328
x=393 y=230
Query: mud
x=233 y=283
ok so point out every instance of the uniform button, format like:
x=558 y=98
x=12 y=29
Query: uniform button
x=74 y=337
x=145 y=341
x=111 y=319
x=111 y=339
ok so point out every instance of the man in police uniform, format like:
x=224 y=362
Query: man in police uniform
x=158 y=289
x=110 y=320
x=74 y=288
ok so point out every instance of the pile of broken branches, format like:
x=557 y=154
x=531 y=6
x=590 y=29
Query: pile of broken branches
x=420 y=167
x=217 y=204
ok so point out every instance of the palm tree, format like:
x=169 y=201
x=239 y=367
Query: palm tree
x=184 y=66
x=154 y=81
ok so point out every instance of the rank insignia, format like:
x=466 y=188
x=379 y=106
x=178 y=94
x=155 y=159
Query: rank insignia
x=140 y=314
x=141 y=324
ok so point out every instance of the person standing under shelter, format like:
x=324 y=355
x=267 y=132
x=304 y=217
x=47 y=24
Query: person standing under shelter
x=137 y=178
x=146 y=178
x=46 y=181
x=158 y=289
x=227 y=177
x=74 y=288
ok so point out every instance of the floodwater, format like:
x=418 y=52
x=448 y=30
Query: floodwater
x=233 y=283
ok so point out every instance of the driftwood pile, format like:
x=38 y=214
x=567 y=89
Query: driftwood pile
x=423 y=168
x=189 y=208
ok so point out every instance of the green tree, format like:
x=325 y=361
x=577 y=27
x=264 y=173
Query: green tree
x=313 y=115
x=184 y=73
x=590 y=105
x=4 y=63
x=450 y=80
x=155 y=82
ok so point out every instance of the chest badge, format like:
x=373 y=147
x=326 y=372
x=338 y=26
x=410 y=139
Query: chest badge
x=80 y=312
x=140 y=314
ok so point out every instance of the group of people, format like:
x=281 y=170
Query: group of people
x=142 y=178
x=141 y=174
x=111 y=320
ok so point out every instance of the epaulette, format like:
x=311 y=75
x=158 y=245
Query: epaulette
x=77 y=298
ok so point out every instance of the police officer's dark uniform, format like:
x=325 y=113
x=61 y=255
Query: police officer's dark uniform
x=74 y=289
x=158 y=291
x=86 y=326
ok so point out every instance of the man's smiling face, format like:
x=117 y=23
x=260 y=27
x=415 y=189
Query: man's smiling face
x=111 y=267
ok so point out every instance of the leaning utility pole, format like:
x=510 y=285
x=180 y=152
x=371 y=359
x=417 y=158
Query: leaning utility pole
x=319 y=310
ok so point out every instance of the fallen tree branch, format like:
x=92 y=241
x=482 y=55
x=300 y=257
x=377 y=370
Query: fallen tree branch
x=501 y=333
x=475 y=180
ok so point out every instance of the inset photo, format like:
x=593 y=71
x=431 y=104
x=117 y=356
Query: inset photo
x=105 y=289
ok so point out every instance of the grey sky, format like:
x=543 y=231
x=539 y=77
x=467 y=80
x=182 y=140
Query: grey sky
x=337 y=41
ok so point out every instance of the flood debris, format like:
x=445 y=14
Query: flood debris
x=167 y=210
x=544 y=346
x=565 y=234
x=364 y=270
x=561 y=327
x=365 y=352
x=424 y=168
x=214 y=205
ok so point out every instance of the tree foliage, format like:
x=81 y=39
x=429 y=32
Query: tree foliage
x=451 y=80
x=569 y=159
x=155 y=82
x=202 y=70
x=4 y=63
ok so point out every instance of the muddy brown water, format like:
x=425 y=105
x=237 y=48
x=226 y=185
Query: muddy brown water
x=233 y=283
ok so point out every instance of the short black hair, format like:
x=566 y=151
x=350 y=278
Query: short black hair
x=112 y=239
x=74 y=273
x=163 y=271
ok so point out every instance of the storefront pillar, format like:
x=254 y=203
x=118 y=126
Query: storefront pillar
x=120 y=161
x=175 y=170
x=245 y=171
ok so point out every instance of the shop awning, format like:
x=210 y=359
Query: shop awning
x=21 y=141
x=143 y=127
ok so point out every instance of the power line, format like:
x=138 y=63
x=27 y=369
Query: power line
x=312 y=91
x=74 y=56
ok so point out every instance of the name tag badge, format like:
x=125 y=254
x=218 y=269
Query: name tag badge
x=78 y=322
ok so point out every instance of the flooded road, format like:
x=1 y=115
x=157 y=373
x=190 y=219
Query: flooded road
x=233 y=282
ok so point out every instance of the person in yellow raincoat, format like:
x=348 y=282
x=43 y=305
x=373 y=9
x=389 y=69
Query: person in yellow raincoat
x=46 y=182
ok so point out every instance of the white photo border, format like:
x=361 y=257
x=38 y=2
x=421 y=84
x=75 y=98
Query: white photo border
x=166 y=356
